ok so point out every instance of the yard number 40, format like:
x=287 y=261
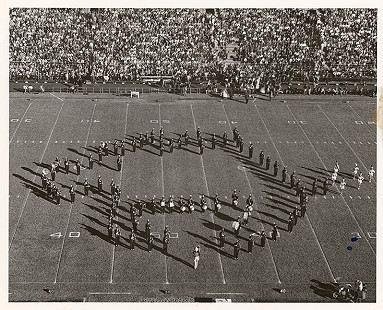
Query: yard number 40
x=72 y=234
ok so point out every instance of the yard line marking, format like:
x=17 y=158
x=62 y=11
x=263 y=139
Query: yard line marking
x=71 y=205
x=122 y=166
x=263 y=227
x=248 y=181
x=343 y=138
x=34 y=178
x=18 y=125
x=308 y=219
x=352 y=214
x=163 y=194
x=57 y=97
x=268 y=132
x=361 y=118
x=208 y=193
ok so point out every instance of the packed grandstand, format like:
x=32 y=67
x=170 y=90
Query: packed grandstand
x=126 y=44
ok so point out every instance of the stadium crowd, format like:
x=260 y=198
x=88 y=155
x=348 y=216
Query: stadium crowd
x=126 y=44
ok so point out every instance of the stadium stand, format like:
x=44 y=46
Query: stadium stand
x=271 y=46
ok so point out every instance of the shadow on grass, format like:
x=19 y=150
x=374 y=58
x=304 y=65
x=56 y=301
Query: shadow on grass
x=324 y=289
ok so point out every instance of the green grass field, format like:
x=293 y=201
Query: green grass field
x=66 y=248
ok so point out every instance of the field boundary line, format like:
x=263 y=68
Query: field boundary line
x=18 y=125
x=122 y=167
x=352 y=214
x=57 y=97
x=71 y=205
x=251 y=189
x=208 y=192
x=34 y=178
x=352 y=150
x=308 y=219
x=363 y=120
x=163 y=193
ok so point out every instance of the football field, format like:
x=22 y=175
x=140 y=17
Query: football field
x=64 y=249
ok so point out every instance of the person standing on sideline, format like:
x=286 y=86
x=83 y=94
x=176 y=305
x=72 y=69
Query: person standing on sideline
x=99 y=184
x=171 y=145
x=355 y=171
x=196 y=254
x=222 y=238
x=251 y=149
x=268 y=162
x=86 y=187
x=91 y=160
x=66 y=165
x=162 y=205
x=165 y=243
x=99 y=154
x=290 y=222
x=303 y=208
x=186 y=137
x=315 y=187
x=72 y=194
x=132 y=239
x=115 y=147
x=43 y=181
x=246 y=215
x=250 y=243
x=122 y=147
x=78 y=167
x=110 y=231
x=53 y=174
x=117 y=236
x=119 y=162
x=179 y=143
x=224 y=138
x=171 y=204
x=276 y=168
x=371 y=174
x=297 y=187
x=58 y=198
x=342 y=186
x=274 y=233
x=237 y=247
x=135 y=224
x=263 y=239
x=241 y=145
x=147 y=229
x=360 y=180
x=213 y=141
x=284 y=174
x=217 y=204
x=237 y=226
x=333 y=178
x=150 y=243
x=336 y=167
x=235 y=134
x=152 y=134
x=112 y=187
x=261 y=158
x=325 y=186
x=134 y=144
